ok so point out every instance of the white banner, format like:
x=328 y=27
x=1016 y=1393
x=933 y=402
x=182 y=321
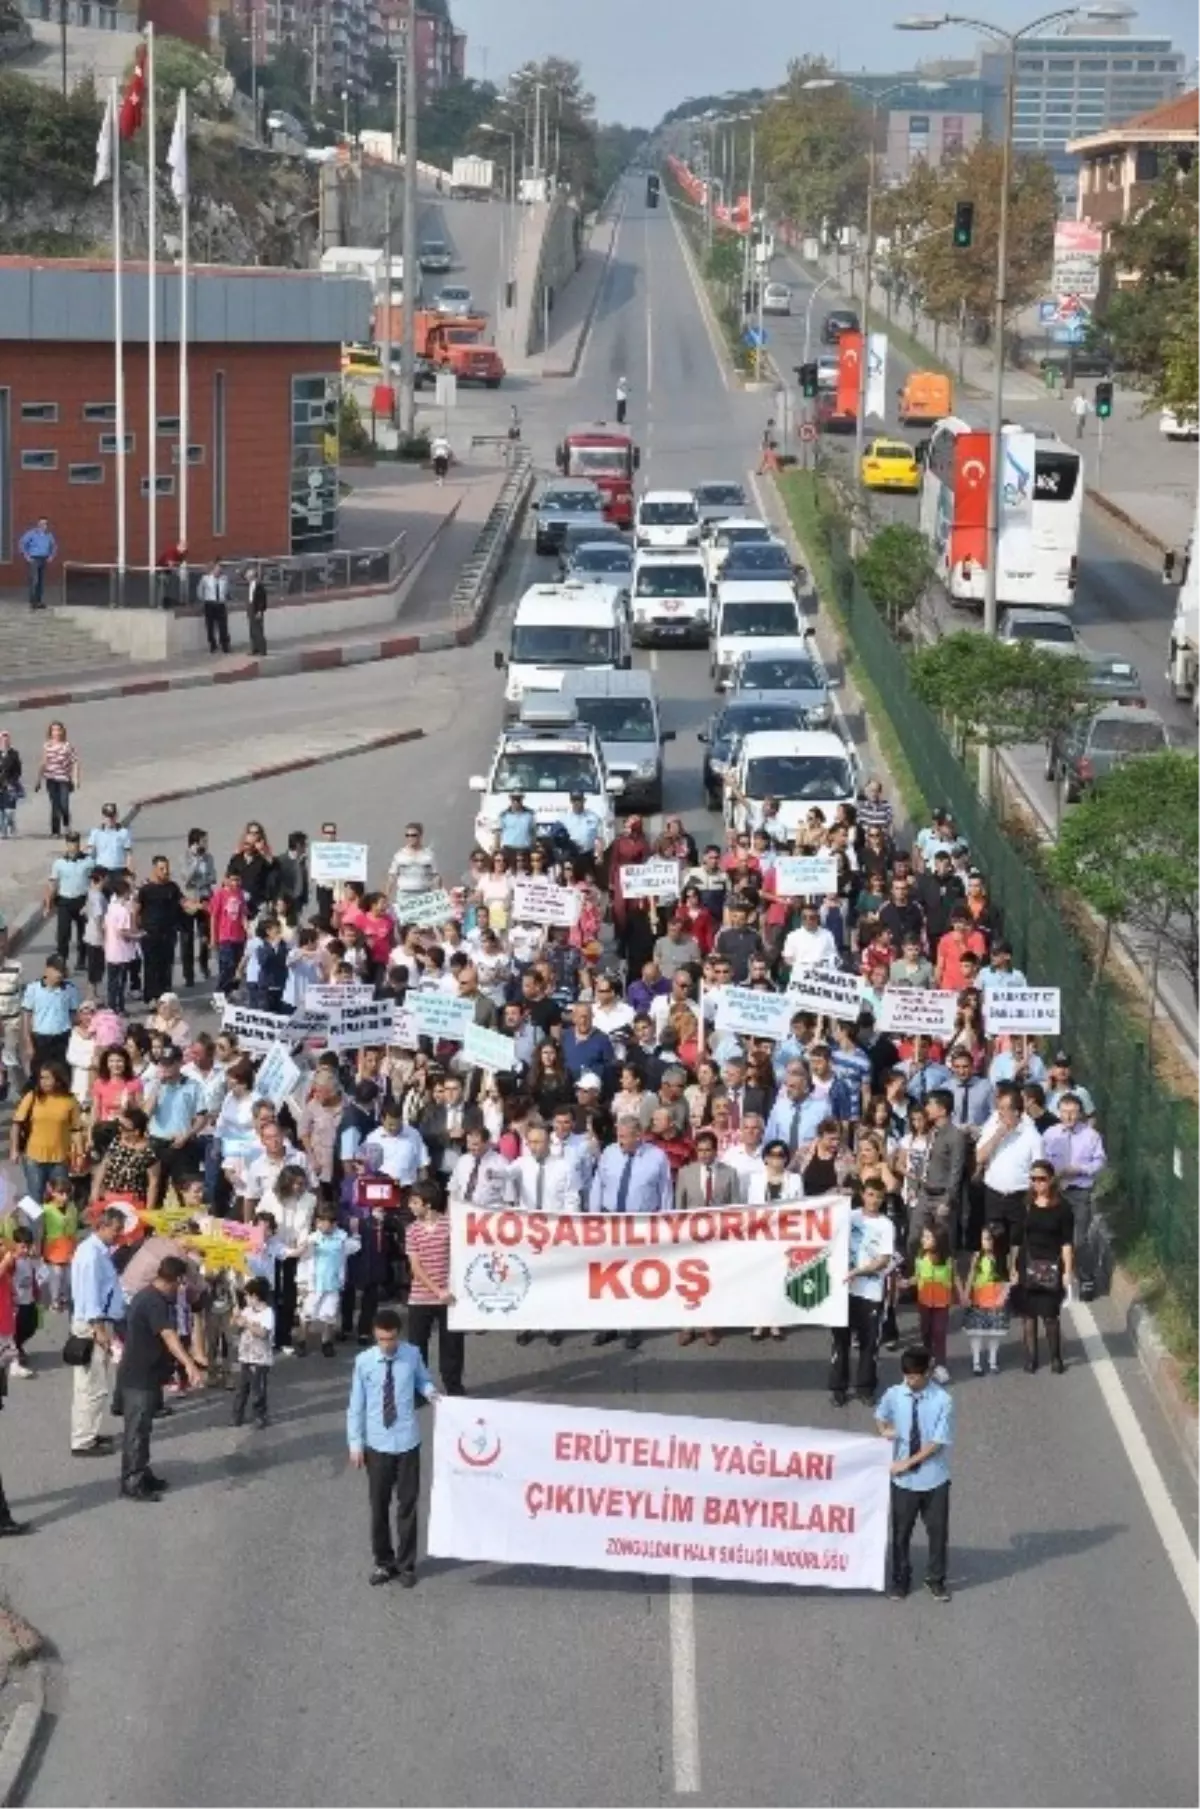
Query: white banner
x=488 y=1049
x=319 y=997
x=1020 y=451
x=1078 y=248
x=805 y=875
x=1016 y=1010
x=330 y=861
x=651 y=879
x=826 y=990
x=365 y=1025
x=595 y=1488
x=744 y=1012
x=277 y=1075
x=908 y=1011
x=741 y=1265
x=877 y=359
x=405 y=1034
x=256 y=1031
x=424 y=909
x=541 y=901
x=440 y=1016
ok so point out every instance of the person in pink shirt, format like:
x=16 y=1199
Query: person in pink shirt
x=228 y=914
x=959 y=940
x=378 y=930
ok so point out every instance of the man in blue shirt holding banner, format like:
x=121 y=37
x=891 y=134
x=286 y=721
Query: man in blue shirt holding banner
x=631 y=1176
x=918 y=1416
x=385 y=1441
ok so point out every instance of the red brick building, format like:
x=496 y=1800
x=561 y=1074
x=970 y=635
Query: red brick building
x=264 y=388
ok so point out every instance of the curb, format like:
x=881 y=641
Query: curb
x=1127 y=521
x=32 y=918
x=22 y=1736
x=1158 y=1366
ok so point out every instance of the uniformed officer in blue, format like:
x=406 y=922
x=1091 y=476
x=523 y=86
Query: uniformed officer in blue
x=918 y=1416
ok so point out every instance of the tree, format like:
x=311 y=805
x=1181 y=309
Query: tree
x=998 y=695
x=1149 y=316
x=567 y=114
x=813 y=145
x=896 y=570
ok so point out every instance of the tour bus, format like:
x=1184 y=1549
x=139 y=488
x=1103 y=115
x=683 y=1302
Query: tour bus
x=1042 y=513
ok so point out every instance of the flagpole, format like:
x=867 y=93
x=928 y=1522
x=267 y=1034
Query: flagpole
x=185 y=206
x=152 y=325
x=118 y=341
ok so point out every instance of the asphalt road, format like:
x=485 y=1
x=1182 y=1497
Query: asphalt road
x=226 y=1648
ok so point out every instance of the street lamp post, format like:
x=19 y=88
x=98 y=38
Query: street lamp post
x=507 y=218
x=408 y=356
x=1011 y=39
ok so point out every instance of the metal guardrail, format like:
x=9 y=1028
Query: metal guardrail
x=479 y=571
x=288 y=577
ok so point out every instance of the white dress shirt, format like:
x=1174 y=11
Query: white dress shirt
x=811 y=948
x=560 y=1184
x=1007 y=1168
x=482 y=1185
x=756 y=1193
x=745 y=1165
x=401 y=1157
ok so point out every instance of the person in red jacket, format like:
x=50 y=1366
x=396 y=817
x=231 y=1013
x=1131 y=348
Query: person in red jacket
x=960 y=939
x=228 y=915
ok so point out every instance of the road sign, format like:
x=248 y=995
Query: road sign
x=755 y=336
x=808 y=432
x=446 y=390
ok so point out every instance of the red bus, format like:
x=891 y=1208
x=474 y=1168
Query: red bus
x=606 y=454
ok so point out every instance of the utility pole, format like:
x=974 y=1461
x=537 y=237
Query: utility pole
x=62 y=40
x=408 y=360
x=398 y=123
x=312 y=66
x=385 y=335
x=537 y=130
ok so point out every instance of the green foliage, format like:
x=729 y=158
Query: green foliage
x=724 y=261
x=180 y=65
x=813 y=146
x=896 y=569
x=616 y=147
x=999 y=695
x=47 y=143
x=1150 y=320
x=352 y=435
x=567 y=109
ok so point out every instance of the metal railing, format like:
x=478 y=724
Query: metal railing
x=288 y=577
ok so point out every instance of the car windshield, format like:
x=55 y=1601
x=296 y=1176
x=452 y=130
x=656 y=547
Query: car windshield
x=742 y=536
x=750 y=719
x=721 y=496
x=1061 y=633
x=572 y=502
x=618 y=718
x=1116 y=675
x=760 y=619
x=759 y=556
x=780 y=675
x=562 y=644
x=606 y=461
x=668 y=514
x=433 y=248
x=602 y=559
x=545 y=769
x=670 y=578
x=816 y=776
x=456 y=295
x=1134 y=735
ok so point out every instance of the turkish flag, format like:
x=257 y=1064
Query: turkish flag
x=133 y=101
x=849 y=372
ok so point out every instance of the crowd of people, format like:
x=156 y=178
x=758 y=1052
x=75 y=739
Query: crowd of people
x=970 y=1162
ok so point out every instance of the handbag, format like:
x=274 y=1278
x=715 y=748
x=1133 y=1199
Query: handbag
x=1043 y=1272
x=77 y=1351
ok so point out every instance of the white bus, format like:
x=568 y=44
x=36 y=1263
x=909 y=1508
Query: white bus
x=1042 y=512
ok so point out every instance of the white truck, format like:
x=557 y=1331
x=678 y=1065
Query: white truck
x=472 y=178
x=1184 y=657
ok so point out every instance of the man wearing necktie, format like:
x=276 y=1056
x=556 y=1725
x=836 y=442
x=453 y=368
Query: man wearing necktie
x=918 y=1417
x=480 y=1175
x=631 y=1176
x=385 y=1441
x=541 y=1182
x=701 y=1186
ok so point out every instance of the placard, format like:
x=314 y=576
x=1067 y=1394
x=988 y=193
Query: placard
x=331 y=997
x=541 y=901
x=740 y=1265
x=826 y=990
x=805 y=875
x=256 y=1031
x=424 y=910
x=489 y=1049
x=405 y=1034
x=650 y=879
x=1022 y=1010
x=910 y=1011
x=440 y=1015
x=598 y=1488
x=745 y=1012
x=330 y=861
x=367 y=1025
x=277 y=1075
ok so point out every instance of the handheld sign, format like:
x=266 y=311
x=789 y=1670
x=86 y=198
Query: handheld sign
x=330 y=861
x=541 y=901
x=362 y=1025
x=651 y=879
x=489 y=1049
x=277 y=1075
x=825 y=990
x=424 y=910
x=806 y=875
x=1022 y=1010
x=745 y=1012
x=437 y=1015
x=910 y=1011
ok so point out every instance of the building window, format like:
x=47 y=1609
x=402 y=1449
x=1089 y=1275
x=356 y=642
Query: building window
x=39 y=411
x=168 y=426
x=1122 y=63
x=108 y=442
x=195 y=454
x=1148 y=64
x=85 y=474
x=39 y=461
x=5 y=476
x=314 y=465
x=163 y=485
x=218 y=444
x=99 y=411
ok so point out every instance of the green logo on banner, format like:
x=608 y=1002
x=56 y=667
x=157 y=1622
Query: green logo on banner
x=808 y=1284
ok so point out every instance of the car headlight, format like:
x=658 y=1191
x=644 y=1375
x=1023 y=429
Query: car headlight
x=646 y=769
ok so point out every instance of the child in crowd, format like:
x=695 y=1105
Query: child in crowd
x=321 y=1278
x=60 y=1233
x=25 y=1296
x=985 y=1296
x=254 y=1322
x=933 y=1279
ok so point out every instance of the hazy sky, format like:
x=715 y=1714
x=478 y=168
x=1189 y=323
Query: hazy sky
x=641 y=57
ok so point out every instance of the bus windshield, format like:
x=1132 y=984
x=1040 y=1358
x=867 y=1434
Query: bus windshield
x=602 y=461
x=563 y=644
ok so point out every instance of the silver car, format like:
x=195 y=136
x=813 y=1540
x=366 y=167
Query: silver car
x=453 y=298
x=777 y=671
x=1049 y=629
x=622 y=708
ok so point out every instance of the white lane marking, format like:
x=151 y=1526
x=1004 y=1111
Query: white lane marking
x=649 y=340
x=1147 y=1475
x=654 y=659
x=709 y=327
x=685 y=1711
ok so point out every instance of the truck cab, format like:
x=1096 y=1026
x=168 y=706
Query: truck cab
x=605 y=454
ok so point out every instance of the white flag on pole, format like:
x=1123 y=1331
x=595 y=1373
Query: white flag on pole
x=104 y=145
x=877 y=359
x=177 y=152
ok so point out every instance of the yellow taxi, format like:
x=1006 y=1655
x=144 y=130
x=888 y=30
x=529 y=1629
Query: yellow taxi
x=890 y=465
x=361 y=361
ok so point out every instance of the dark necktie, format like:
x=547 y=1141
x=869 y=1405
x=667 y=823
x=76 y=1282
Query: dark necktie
x=914 y=1431
x=735 y=1109
x=539 y=1198
x=473 y=1179
x=623 y=1185
x=964 y=1102
x=389 y=1392
x=794 y=1133
x=708 y=1187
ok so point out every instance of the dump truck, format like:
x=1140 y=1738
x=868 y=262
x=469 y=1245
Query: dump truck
x=457 y=343
x=472 y=178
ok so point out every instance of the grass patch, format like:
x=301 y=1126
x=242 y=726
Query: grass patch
x=801 y=493
x=1173 y=1307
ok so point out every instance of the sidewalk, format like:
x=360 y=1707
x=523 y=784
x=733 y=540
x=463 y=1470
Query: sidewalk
x=575 y=306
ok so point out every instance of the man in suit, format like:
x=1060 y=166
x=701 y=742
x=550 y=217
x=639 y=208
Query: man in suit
x=444 y=1127
x=256 y=610
x=703 y=1183
x=940 y=1197
x=743 y=1099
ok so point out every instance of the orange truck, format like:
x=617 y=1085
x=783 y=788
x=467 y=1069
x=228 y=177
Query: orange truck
x=451 y=342
x=927 y=397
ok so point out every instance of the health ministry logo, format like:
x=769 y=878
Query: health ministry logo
x=479 y=1447
x=498 y=1281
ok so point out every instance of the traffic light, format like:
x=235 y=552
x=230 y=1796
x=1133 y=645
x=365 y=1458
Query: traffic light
x=964 y=223
x=1104 y=399
x=807 y=374
x=651 y=191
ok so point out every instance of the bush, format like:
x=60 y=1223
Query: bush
x=352 y=435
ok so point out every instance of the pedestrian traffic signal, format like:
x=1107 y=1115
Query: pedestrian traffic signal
x=807 y=374
x=964 y=223
x=651 y=191
x=1104 y=400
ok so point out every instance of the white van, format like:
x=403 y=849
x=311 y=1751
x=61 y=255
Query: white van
x=802 y=769
x=744 y=616
x=669 y=598
x=667 y=518
x=560 y=628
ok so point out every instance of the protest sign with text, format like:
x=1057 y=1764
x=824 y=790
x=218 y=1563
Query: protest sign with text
x=651 y=879
x=440 y=1016
x=256 y=1031
x=488 y=1049
x=594 y=1488
x=806 y=875
x=364 y=1025
x=330 y=861
x=318 y=997
x=541 y=901
x=826 y=990
x=912 y=1011
x=1028 y=1010
x=277 y=1075
x=742 y=1011
x=739 y=1265
x=424 y=909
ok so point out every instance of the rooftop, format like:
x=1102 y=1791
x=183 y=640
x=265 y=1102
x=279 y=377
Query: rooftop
x=1174 y=122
